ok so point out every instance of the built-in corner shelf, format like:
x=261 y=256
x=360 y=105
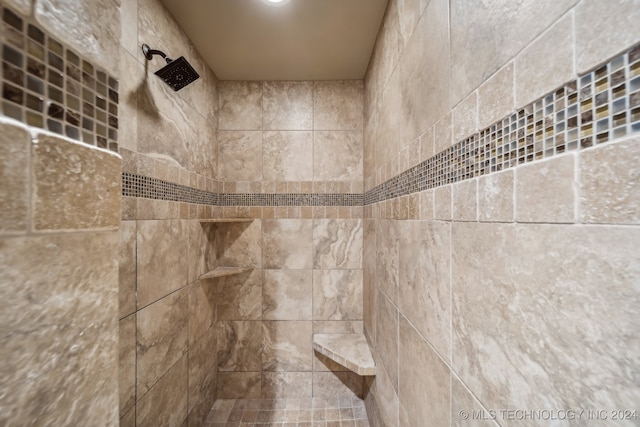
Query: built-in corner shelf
x=227 y=220
x=350 y=350
x=223 y=271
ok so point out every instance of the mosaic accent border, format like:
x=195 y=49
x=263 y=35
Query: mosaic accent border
x=134 y=185
x=599 y=106
x=49 y=86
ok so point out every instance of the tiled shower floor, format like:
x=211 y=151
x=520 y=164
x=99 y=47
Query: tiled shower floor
x=316 y=412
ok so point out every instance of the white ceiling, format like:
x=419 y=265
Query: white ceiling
x=299 y=40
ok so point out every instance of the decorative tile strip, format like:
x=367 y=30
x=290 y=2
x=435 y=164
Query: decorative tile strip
x=134 y=185
x=49 y=86
x=600 y=106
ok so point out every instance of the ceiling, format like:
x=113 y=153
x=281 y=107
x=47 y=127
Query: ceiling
x=295 y=40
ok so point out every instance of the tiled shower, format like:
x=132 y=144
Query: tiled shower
x=470 y=206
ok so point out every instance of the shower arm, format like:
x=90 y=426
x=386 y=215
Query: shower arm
x=149 y=53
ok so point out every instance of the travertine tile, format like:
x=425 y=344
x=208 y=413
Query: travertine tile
x=496 y=96
x=609 y=182
x=75 y=24
x=409 y=12
x=288 y=155
x=288 y=105
x=160 y=240
x=425 y=290
x=239 y=346
x=594 y=19
x=127 y=266
x=387 y=258
x=424 y=71
x=562 y=352
x=496 y=197
x=337 y=156
x=337 y=384
x=465 y=202
x=129 y=26
x=22 y=6
x=547 y=63
x=286 y=346
x=240 y=105
x=287 y=295
x=430 y=384
x=443 y=133
x=60 y=277
x=202 y=309
x=545 y=191
x=337 y=243
x=239 y=297
x=463 y=400
x=202 y=374
x=282 y=385
x=127 y=363
x=387 y=136
x=337 y=294
x=337 y=327
x=131 y=77
x=387 y=337
x=465 y=117
x=14 y=175
x=166 y=403
x=128 y=419
x=64 y=196
x=162 y=338
x=338 y=105
x=240 y=155
x=239 y=385
x=478 y=50
x=287 y=244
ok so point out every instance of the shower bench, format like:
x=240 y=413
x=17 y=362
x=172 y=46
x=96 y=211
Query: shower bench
x=349 y=350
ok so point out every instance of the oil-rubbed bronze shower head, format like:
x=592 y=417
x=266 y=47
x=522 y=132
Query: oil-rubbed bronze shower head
x=177 y=73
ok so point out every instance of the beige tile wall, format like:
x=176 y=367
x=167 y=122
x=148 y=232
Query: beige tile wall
x=289 y=137
x=58 y=280
x=516 y=289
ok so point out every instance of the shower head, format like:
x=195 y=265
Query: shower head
x=177 y=73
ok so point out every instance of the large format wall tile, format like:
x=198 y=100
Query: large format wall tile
x=387 y=258
x=202 y=309
x=127 y=268
x=161 y=240
x=239 y=297
x=287 y=295
x=240 y=105
x=287 y=105
x=369 y=277
x=64 y=197
x=287 y=244
x=127 y=363
x=286 y=385
x=387 y=337
x=239 y=385
x=14 y=176
x=557 y=358
x=495 y=197
x=288 y=155
x=239 y=346
x=547 y=63
x=286 y=346
x=338 y=105
x=609 y=183
x=166 y=403
x=496 y=97
x=203 y=369
x=463 y=400
x=425 y=290
x=337 y=294
x=430 y=383
x=238 y=245
x=478 y=50
x=337 y=156
x=337 y=243
x=240 y=155
x=424 y=72
x=594 y=18
x=59 y=325
x=163 y=337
